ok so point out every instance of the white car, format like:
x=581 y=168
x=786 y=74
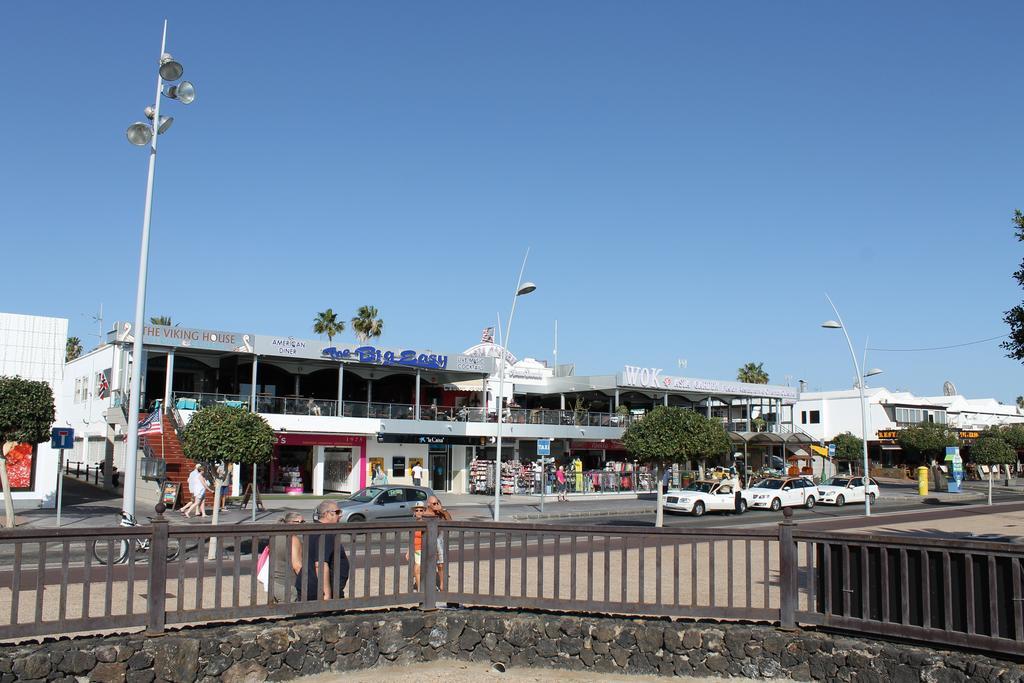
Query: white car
x=843 y=490
x=705 y=496
x=779 y=492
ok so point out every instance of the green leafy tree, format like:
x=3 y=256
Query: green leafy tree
x=26 y=416
x=990 y=449
x=1013 y=435
x=849 y=449
x=1015 y=316
x=220 y=434
x=366 y=324
x=927 y=441
x=1020 y=402
x=752 y=373
x=326 y=322
x=669 y=434
x=161 y=320
x=74 y=349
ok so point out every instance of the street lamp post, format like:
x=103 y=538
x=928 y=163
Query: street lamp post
x=522 y=288
x=839 y=325
x=142 y=134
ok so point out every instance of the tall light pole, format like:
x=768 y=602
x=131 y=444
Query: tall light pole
x=142 y=134
x=838 y=325
x=522 y=288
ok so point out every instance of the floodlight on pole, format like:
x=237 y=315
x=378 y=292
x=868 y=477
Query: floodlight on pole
x=184 y=92
x=170 y=70
x=522 y=288
x=838 y=325
x=141 y=134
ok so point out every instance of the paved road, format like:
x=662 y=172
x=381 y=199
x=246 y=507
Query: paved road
x=835 y=517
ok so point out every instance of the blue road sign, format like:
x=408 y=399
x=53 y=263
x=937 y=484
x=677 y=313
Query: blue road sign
x=62 y=437
x=831 y=450
x=543 y=446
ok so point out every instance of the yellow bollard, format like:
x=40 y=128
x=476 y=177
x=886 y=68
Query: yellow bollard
x=922 y=481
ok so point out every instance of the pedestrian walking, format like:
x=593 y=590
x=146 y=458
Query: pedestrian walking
x=563 y=486
x=419 y=511
x=417 y=474
x=436 y=509
x=317 y=559
x=197 y=487
x=666 y=480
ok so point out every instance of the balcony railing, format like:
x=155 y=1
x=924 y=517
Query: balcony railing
x=301 y=405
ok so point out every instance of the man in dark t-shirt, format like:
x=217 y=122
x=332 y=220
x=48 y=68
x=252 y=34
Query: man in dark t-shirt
x=320 y=562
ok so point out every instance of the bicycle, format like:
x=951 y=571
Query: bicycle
x=117 y=553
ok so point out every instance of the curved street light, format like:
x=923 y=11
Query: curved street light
x=522 y=289
x=838 y=325
x=142 y=134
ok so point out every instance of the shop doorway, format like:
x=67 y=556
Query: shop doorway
x=440 y=463
x=338 y=466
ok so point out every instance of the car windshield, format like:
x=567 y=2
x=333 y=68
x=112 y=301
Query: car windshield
x=770 y=484
x=700 y=487
x=366 y=495
x=837 y=481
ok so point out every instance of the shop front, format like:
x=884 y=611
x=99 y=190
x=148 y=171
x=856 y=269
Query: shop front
x=315 y=463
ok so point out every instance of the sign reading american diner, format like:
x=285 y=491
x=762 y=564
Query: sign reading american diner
x=651 y=378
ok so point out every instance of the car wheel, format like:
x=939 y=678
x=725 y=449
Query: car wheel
x=809 y=503
x=698 y=509
x=776 y=504
x=357 y=518
x=841 y=501
x=743 y=506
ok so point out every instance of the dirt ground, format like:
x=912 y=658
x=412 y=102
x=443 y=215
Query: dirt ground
x=479 y=672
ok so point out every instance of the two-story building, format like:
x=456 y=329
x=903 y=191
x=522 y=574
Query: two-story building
x=825 y=414
x=345 y=415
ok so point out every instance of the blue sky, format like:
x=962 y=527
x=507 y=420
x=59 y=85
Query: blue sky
x=691 y=177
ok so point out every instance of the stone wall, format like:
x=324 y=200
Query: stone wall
x=287 y=649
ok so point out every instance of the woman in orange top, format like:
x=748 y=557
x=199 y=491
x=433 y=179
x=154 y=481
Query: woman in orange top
x=417 y=546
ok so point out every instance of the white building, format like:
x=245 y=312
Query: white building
x=825 y=414
x=33 y=347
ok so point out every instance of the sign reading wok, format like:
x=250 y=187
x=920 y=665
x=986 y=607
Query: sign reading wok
x=651 y=378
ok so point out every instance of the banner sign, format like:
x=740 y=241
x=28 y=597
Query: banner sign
x=186 y=337
x=651 y=378
x=295 y=439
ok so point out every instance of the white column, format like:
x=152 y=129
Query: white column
x=665 y=399
x=169 y=381
x=561 y=401
x=318 y=471
x=236 y=480
x=252 y=390
x=417 y=402
x=341 y=387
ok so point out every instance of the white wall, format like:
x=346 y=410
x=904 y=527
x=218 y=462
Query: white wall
x=33 y=347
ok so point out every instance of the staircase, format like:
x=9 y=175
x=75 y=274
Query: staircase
x=168 y=447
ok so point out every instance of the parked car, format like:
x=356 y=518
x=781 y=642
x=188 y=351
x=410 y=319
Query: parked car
x=778 y=492
x=717 y=495
x=843 y=490
x=382 y=502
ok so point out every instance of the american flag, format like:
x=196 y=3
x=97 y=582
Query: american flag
x=152 y=424
x=102 y=384
x=488 y=336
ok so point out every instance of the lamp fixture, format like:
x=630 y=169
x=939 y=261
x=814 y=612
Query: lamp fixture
x=170 y=70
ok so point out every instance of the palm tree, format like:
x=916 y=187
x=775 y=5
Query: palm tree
x=74 y=349
x=326 y=322
x=366 y=324
x=161 y=320
x=752 y=373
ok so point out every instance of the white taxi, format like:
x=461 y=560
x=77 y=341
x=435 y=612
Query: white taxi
x=842 y=490
x=779 y=492
x=718 y=495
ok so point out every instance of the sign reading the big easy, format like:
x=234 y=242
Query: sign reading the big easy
x=371 y=354
x=651 y=378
